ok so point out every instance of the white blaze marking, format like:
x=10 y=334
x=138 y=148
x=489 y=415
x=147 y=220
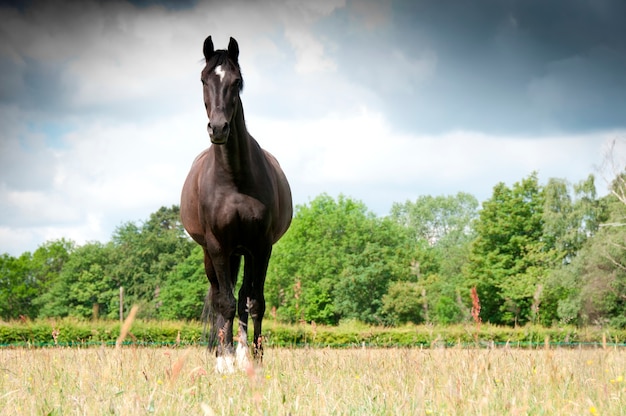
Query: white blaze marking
x=220 y=72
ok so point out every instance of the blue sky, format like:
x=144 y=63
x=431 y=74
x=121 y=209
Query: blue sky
x=101 y=106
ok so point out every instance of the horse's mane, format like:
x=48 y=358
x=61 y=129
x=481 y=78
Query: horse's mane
x=220 y=57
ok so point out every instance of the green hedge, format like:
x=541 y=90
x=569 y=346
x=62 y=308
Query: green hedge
x=82 y=332
x=355 y=334
x=71 y=332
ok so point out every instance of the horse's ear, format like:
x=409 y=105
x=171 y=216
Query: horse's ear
x=233 y=50
x=208 y=49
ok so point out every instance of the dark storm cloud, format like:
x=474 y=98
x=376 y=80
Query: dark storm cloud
x=499 y=66
x=75 y=60
x=33 y=85
x=169 y=4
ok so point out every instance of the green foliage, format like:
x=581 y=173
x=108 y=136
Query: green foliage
x=144 y=254
x=336 y=262
x=581 y=289
x=442 y=227
x=537 y=254
x=509 y=258
x=403 y=303
x=76 y=331
x=80 y=332
x=84 y=281
x=24 y=279
x=16 y=291
x=440 y=220
x=592 y=288
x=182 y=295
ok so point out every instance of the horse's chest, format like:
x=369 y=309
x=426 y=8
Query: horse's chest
x=236 y=213
x=247 y=209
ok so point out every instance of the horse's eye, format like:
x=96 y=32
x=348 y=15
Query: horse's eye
x=202 y=81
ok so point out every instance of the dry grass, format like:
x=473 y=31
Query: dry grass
x=166 y=381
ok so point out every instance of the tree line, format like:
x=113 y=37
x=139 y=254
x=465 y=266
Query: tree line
x=548 y=254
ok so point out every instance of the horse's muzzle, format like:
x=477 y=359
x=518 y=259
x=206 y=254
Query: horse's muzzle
x=218 y=133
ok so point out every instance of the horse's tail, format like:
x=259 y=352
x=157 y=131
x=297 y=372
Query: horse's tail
x=208 y=321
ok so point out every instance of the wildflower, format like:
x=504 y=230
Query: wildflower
x=159 y=381
x=475 y=306
x=593 y=410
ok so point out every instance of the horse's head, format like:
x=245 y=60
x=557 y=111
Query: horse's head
x=221 y=83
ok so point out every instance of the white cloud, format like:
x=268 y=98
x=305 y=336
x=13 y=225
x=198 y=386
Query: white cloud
x=363 y=156
x=106 y=175
x=300 y=16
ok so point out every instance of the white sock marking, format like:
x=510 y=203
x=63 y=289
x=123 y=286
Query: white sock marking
x=225 y=364
x=242 y=356
x=219 y=71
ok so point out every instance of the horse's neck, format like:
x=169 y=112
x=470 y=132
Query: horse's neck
x=236 y=153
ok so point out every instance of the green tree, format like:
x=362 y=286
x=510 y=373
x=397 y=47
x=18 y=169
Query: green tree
x=145 y=253
x=184 y=291
x=25 y=278
x=439 y=220
x=509 y=258
x=591 y=289
x=404 y=302
x=84 y=285
x=46 y=265
x=570 y=218
x=16 y=288
x=335 y=262
x=359 y=291
x=442 y=228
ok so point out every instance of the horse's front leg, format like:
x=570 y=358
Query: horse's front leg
x=225 y=311
x=224 y=305
x=242 y=353
x=257 y=311
x=256 y=301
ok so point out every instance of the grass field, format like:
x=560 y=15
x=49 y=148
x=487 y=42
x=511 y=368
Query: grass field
x=169 y=381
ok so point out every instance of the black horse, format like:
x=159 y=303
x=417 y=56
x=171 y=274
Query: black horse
x=235 y=202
